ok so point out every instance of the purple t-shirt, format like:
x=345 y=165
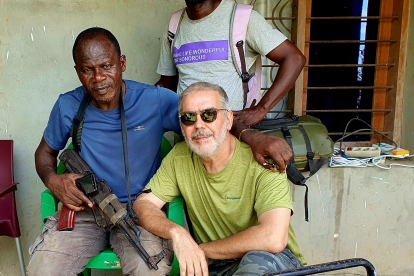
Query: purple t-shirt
x=149 y=110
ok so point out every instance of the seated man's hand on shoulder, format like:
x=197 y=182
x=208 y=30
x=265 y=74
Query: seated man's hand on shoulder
x=61 y=185
x=190 y=256
x=264 y=145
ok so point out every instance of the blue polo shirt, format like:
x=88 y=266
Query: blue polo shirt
x=149 y=110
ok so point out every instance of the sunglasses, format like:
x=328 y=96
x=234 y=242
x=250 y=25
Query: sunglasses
x=207 y=115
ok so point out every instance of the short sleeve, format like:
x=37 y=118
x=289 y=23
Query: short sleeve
x=164 y=182
x=272 y=192
x=261 y=36
x=168 y=104
x=166 y=66
x=56 y=133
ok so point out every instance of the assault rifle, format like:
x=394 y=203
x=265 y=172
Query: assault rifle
x=107 y=202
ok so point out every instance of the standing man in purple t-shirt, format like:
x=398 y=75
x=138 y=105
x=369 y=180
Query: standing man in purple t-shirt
x=202 y=53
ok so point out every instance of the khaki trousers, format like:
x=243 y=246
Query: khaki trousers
x=67 y=252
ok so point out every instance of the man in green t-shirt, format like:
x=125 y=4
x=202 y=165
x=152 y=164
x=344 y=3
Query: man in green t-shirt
x=240 y=211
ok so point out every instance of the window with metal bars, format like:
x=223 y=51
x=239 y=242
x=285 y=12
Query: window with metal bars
x=356 y=51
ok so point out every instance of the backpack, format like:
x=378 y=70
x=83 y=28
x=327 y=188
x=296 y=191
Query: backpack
x=310 y=143
x=237 y=39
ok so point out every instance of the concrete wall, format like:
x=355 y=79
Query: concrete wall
x=359 y=213
x=407 y=140
x=36 y=38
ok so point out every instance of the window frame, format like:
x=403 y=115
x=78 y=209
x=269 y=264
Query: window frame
x=390 y=66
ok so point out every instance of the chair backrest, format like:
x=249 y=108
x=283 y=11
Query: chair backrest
x=9 y=223
x=6 y=165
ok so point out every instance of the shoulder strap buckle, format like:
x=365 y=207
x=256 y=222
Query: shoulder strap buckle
x=245 y=77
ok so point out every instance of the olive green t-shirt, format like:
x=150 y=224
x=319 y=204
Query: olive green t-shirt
x=225 y=203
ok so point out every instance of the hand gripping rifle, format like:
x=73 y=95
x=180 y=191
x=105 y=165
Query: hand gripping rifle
x=102 y=196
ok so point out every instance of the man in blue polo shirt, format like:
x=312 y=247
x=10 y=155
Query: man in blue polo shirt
x=150 y=111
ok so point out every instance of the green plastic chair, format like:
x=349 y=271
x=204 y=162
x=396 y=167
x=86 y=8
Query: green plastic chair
x=107 y=259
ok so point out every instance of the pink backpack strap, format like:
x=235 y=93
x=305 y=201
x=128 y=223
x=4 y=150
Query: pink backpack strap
x=238 y=31
x=173 y=27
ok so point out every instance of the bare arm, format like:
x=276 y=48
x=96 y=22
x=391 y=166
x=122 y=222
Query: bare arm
x=271 y=235
x=264 y=145
x=291 y=62
x=63 y=185
x=169 y=82
x=190 y=256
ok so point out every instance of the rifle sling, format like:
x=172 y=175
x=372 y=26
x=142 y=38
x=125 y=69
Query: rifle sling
x=124 y=144
x=77 y=123
x=77 y=126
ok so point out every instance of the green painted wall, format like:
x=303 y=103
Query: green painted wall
x=407 y=139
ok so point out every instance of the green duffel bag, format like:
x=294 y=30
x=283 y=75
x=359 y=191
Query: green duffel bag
x=303 y=130
x=310 y=143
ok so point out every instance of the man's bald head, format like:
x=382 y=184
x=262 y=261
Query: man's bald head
x=92 y=33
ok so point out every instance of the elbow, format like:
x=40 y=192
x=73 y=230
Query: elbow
x=277 y=247
x=303 y=59
x=295 y=60
x=277 y=244
x=300 y=59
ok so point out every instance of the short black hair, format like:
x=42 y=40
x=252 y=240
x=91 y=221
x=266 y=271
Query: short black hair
x=92 y=33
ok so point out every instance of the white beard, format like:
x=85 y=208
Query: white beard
x=205 y=151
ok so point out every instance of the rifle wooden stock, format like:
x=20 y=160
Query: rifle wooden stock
x=66 y=220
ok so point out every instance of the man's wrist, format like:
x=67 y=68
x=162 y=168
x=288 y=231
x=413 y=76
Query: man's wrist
x=250 y=136
x=204 y=247
x=177 y=232
x=48 y=179
x=244 y=130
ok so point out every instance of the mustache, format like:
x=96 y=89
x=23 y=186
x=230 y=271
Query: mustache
x=101 y=85
x=201 y=132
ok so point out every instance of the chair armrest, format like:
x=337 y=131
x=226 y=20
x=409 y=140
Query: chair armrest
x=326 y=267
x=176 y=210
x=165 y=147
x=49 y=203
x=176 y=214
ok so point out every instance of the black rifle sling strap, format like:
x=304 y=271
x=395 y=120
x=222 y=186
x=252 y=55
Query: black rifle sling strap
x=77 y=126
x=77 y=123
x=131 y=213
x=245 y=75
